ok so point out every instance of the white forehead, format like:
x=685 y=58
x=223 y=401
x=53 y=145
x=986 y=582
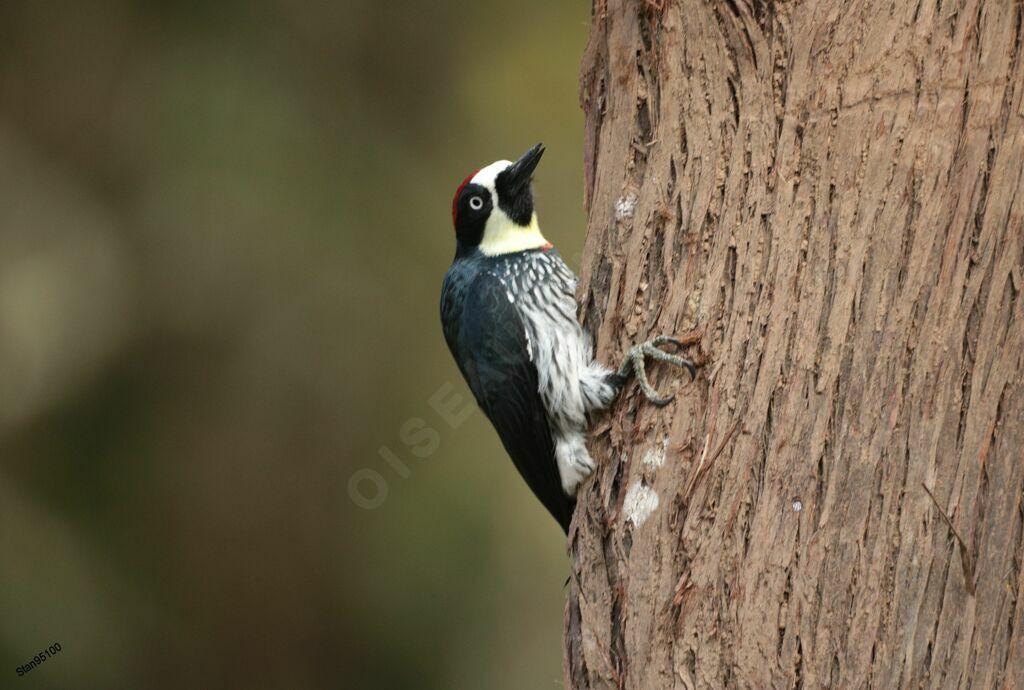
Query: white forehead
x=486 y=176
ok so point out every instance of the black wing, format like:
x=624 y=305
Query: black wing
x=493 y=353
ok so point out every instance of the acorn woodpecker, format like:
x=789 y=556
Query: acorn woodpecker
x=508 y=310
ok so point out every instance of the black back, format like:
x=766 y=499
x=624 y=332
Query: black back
x=488 y=340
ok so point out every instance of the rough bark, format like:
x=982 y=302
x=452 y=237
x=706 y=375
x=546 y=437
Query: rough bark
x=832 y=193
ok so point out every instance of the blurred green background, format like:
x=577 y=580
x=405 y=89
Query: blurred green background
x=223 y=229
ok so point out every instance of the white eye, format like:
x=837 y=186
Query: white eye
x=476 y=203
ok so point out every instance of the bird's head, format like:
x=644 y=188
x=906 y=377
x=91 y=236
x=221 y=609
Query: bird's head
x=493 y=207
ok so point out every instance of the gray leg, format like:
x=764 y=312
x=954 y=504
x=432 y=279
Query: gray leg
x=633 y=363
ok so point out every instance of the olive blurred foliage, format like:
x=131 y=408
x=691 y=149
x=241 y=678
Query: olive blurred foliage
x=223 y=228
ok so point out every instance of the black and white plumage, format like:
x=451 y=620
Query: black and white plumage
x=510 y=322
x=508 y=311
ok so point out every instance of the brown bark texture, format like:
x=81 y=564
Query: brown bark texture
x=831 y=194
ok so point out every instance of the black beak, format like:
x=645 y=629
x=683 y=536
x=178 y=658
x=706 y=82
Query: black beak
x=519 y=174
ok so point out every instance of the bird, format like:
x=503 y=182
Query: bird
x=509 y=317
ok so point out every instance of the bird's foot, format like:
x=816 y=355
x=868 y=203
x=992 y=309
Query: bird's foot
x=633 y=363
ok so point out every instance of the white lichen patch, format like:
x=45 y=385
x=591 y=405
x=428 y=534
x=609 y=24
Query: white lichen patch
x=639 y=503
x=625 y=206
x=654 y=457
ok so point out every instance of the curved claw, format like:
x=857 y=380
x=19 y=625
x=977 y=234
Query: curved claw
x=661 y=355
x=661 y=402
x=633 y=364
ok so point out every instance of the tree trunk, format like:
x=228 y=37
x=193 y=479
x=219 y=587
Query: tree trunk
x=832 y=193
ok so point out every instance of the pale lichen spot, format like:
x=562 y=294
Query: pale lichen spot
x=625 y=206
x=654 y=457
x=639 y=503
